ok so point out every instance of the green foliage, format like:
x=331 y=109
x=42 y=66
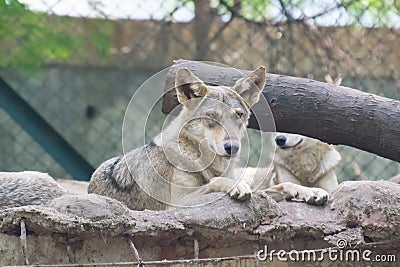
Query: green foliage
x=256 y=10
x=361 y=12
x=29 y=39
x=371 y=12
x=101 y=38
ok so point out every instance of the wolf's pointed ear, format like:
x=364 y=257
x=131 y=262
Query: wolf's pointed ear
x=188 y=86
x=250 y=87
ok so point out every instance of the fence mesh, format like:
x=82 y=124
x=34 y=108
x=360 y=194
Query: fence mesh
x=77 y=63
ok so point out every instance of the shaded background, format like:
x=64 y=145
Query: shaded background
x=78 y=63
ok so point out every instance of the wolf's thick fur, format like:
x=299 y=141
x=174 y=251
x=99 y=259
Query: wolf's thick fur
x=201 y=143
x=27 y=188
x=395 y=179
x=303 y=169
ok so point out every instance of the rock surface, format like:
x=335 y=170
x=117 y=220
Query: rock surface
x=92 y=228
x=27 y=188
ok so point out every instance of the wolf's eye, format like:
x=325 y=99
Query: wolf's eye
x=212 y=115
x=212 y=119
x=239 y=113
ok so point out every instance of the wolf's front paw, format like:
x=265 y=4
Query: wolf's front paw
x=314 y=196
x=240 y=191
x=237 y=190
x=291 y=191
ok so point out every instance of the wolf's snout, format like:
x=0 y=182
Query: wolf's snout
x=280 y=140
x=231 y=148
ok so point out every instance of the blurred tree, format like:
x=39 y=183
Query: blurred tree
x=202 y=24
x=372 y=12
x=29 y=39
x=368 y=13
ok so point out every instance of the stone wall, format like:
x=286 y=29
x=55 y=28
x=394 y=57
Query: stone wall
x=90 y=229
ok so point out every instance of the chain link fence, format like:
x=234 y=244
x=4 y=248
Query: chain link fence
x=78 y=63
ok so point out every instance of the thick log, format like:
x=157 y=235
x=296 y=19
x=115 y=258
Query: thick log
x=333 y=114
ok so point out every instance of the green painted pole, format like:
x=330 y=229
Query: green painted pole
x=45 y=135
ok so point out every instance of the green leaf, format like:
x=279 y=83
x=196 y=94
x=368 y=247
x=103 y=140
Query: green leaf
x=28 y=41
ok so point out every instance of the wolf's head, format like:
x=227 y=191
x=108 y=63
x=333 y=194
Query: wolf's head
x=293 y=141
x=217 y=116
x=301 y=154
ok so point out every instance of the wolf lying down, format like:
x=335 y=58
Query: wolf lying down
x=201 y=143
x=196 y=154
x=303 y=170
x=198 y=151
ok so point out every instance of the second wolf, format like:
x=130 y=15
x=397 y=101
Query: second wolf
x=303 y=170
x=202 y=143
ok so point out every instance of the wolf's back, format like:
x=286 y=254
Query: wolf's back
x=98 y=181
x=118 y=178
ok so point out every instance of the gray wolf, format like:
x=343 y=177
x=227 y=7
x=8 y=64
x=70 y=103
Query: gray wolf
x=395 y=179
x=27 y=188
x=201 y=143
x=303 y=170
x=74 y=187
